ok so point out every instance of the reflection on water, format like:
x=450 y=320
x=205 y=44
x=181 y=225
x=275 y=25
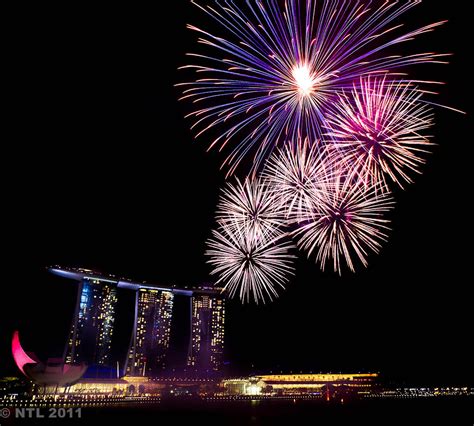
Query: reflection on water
x=448 y=412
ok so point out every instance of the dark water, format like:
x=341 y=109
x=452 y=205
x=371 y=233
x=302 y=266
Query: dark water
x=394 y=412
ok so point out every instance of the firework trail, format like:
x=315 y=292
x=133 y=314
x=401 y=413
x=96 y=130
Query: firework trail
x=297 y=173
x=349 y=221
x=276 y=70
x=377 y=129
x=250 y=207
x=250 y=264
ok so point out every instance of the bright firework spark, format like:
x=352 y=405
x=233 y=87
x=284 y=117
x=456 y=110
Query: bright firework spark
x=377 y=129
x=250 y=264
x=349 y=220
x=297 y=173
x=251 y=207
x=276 y=71
x=304 y=80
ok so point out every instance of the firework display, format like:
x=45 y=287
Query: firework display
x=277 y=67
x=315 y=98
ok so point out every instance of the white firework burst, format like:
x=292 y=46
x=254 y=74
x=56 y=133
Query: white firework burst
x=250 y=264
x=250 y=207
x=349 y=221
x=297 y=173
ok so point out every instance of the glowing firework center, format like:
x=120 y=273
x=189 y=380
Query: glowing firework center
x=304 y=80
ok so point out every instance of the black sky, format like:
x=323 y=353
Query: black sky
x=101 y=171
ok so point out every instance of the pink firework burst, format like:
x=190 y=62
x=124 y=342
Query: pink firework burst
x=377 y=130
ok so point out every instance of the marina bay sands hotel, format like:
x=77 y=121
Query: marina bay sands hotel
x=92 y=330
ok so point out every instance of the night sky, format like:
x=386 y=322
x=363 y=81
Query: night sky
x=101 y=171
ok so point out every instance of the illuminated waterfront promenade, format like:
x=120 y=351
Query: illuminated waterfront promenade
x=300 y=387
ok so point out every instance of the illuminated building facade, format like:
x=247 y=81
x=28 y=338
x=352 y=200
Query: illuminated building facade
x=91 y=333
x=299 y=384
x=90 y=337
x=151 y=332
x=206 y=347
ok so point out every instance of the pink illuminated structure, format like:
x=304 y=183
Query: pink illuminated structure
x=19 y=355
x=52 y=373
